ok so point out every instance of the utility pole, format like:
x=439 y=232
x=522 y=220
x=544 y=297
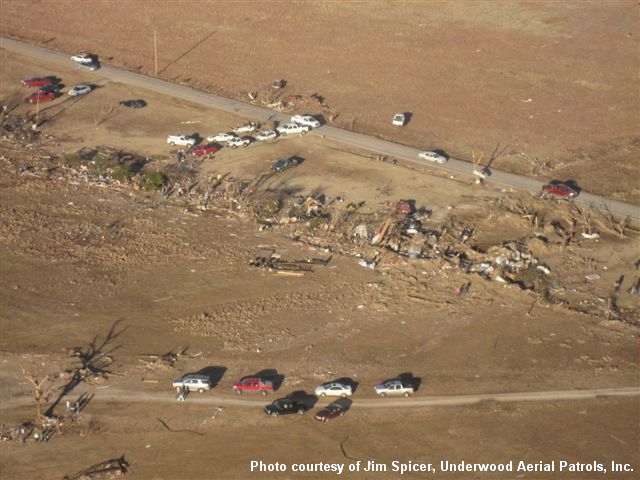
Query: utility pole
x=35 y=125
x=155 y=49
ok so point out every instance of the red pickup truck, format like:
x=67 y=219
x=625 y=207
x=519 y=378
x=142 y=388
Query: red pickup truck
x=253 y=384
x=37 y=82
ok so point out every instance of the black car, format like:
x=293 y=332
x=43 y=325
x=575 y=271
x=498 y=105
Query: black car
x=133 y=103
x=55 y=88
x=283 y=406
x=285 y=164
x=92 y=67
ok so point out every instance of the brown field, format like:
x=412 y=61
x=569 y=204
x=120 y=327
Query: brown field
x=514 y=81
x=77 y=258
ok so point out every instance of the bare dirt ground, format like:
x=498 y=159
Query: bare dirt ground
x=532 y=87
x=79 y=258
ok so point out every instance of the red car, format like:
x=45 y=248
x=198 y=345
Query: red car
x=37 y=82
x=560 y=189
x=205 y=150
x=39 y=97
x=333 y=410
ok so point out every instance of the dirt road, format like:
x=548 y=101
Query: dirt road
x=119 y=395
x=378 y=146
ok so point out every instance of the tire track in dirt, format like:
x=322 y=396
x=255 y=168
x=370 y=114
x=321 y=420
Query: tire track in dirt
x=117 y=395
x=237 y=324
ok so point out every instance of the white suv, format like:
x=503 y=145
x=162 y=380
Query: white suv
x=399 y=119
x=192 y=382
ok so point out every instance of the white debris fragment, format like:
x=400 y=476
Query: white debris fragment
x=543 y=269
x=365 y=264
x=590 y=236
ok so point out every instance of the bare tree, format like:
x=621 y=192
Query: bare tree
x=615 y=225
x=583 y=216
x=476 y=161
x=540 y=167
x=41 y=388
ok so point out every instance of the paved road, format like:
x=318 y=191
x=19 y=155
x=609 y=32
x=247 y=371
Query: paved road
x=114 y=394
x=375 y=145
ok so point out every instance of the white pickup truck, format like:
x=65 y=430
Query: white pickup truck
x=306 y=120
x=292 y=128
x=182 y=140
x=394 y=387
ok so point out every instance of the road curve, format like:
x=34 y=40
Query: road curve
x=114 y=394
x=376 y=145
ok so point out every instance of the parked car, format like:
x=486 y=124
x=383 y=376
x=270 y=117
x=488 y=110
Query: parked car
x=306 y=120
x=182 y=140
x=221 y=137
x=80 y=90
x=204 y=150
x=433 y=157
x=284 y=406
x=266 y=135
x=139 y=103
x=561 y=189
x=39 y=97
x=92 y=66
x=333 y=410
x=192 y=382
x=292 y=128
x=238 y=142
x=394 y=387
x=285 y=164
x=399 y=119
x=38 y=82
x=253 y=384
x=246 y=128
x=333 y=389
x=83 y=58
x=55 y=88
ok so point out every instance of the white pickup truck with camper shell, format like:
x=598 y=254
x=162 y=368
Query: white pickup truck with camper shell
x=182 y=140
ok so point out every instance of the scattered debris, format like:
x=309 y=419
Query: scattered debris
x=217 y=412
x=275 y=262
x=110 y=469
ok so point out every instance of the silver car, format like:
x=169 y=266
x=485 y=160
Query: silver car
x=80 y=90
x=333 y=389
x=266 y=135
x=433 y=157
x=192 y=382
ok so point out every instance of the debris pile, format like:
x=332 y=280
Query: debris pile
x=107 y=470
x=276 y=263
